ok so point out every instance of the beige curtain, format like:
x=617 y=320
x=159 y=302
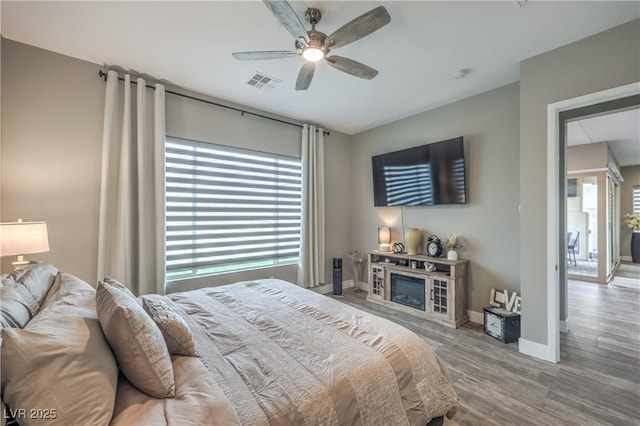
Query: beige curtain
x=312 y=241
x=131 y=228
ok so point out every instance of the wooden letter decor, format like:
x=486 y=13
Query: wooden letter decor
x=506 y=300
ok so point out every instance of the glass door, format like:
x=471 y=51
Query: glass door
x=582 y=226
x=440 y=298
x=613 y=225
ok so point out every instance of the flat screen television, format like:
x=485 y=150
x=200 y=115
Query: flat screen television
x=425 y=175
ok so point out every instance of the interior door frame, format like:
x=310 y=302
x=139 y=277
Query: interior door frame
x=556 y=194
x=617 y=218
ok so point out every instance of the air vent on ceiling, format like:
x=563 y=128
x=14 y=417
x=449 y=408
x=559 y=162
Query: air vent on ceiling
x=263 y=81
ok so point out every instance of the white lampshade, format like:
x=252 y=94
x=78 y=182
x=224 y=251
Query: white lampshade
x=384 y=238
x=20 y=238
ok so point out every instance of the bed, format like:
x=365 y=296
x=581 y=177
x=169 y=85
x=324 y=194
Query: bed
x=261 y=352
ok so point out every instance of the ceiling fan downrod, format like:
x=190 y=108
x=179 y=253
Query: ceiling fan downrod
x=315 y=49
x=313 y=16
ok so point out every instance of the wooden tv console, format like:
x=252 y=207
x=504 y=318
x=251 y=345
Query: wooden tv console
x=439 y=295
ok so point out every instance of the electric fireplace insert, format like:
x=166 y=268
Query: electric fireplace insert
x=408 y=290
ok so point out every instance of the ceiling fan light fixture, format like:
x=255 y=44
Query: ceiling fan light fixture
x=312 y=54
x=315 y=45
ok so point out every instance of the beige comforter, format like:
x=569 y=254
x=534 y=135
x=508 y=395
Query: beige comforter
x=274 y=353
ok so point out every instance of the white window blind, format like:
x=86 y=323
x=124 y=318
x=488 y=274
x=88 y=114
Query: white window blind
x=229 y=209
x=636 y=199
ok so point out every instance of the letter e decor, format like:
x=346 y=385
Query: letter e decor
x=509 y=301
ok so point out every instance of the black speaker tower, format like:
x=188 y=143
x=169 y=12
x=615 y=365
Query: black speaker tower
x=337 y=276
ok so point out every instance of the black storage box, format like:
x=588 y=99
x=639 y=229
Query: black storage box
x=502 y=324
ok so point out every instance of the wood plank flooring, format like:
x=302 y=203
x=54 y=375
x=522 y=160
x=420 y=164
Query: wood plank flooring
x=597 y=381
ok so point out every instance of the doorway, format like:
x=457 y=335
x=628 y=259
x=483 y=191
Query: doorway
x=582 y=226
x=593 y=223
x=595 y=141
x=557 y=115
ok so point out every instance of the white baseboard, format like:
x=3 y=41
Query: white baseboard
x=323 y=289
x=363 y=286
x=476 y=317
x=564 y=326
x=626 y=258
x=349 y=284
x=536 y=350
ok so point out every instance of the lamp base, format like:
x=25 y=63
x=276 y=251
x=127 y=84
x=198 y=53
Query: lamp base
x=384 y=247
x=20 y=263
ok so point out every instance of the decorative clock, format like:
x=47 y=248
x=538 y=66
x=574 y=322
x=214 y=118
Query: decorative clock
x=434 y=246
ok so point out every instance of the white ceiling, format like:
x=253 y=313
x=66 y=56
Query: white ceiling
x=190 y=43
x=620 y=130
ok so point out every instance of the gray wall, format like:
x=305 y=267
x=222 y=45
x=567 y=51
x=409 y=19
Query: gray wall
x=605 y=60
x=489 y=220
x=631 y=176
x=52 y=111
x=587 y=157
x=612 y=158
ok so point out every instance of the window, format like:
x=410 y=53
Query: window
x=229 y=209
x=636 y=199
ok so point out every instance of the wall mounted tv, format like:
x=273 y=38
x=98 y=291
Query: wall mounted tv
x=425 y=175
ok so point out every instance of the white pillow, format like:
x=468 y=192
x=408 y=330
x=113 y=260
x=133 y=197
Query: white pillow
x=59 y=368
x=136 y=341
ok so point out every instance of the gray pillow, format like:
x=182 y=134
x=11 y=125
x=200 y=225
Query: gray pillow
x=117 y=284
x=174 y=328
x=37 y=278
x=17 y=305
x=60 y=362
x=136 y=342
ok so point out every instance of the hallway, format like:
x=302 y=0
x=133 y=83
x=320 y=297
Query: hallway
x=607 y=316
x=605 y=334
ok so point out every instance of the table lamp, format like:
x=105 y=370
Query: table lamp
x=20 y=238
x=384 y=238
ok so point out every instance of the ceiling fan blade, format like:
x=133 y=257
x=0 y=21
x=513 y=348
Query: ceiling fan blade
x=351 y=67
x=287 y=18
x=305 y=76
x=361 y=26
x=267 y=54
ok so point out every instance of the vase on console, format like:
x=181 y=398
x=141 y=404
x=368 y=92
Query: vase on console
x=412 y=240
x=453 y=243
x=356 y=257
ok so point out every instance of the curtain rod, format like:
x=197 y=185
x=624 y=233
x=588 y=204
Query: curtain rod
x=103 y=75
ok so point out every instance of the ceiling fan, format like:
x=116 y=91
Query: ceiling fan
x=314 y=45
